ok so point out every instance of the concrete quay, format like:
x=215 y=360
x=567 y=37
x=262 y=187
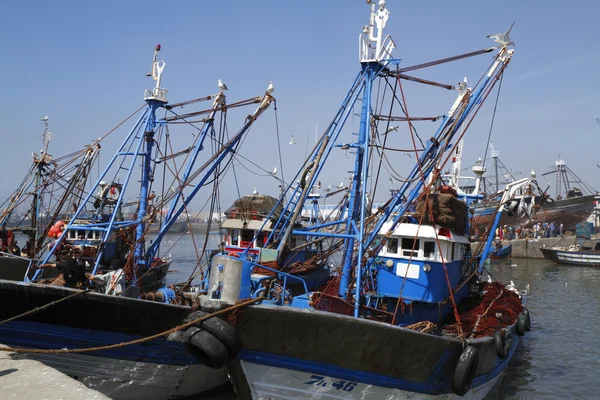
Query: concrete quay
x=32 y=380
x=530 y=248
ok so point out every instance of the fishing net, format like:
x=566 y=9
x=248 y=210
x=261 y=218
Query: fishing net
x=496 y=308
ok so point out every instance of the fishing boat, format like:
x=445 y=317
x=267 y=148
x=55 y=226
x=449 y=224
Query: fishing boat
x=570 y=209
x=502 y=253
x=585 y=252
x=92 y=304
x=573 y=255
x=50 y=189
x=405 y=313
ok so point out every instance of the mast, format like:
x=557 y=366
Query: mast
x=40 y=163
x=155 y=99
x=373 y=56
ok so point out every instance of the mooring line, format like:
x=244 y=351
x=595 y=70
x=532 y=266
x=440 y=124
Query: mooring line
x=137 y=341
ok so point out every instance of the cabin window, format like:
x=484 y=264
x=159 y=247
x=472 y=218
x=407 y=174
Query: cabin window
x=392 y=246
x=429 y=250
x=235 y=237
x=453 y=245
x=247 y=236
x=260 y=240
x=408 y=245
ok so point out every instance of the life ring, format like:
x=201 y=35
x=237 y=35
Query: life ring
x=464 y=373
x=205 y=348
x=110 y=194
x=503 y=343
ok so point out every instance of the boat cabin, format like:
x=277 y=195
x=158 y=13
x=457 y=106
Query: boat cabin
x=415 y=259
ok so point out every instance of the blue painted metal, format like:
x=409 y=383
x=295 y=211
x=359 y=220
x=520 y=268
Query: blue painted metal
x=490 y=239
x=209 y=168
x=140 y=230
x=129 y=141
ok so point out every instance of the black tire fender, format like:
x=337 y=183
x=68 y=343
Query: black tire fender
x=206 y=348
x=503 y=343
x=226 y=335
x=195 y=315
x=528 y=320
x=464 y=373
x=522 y=323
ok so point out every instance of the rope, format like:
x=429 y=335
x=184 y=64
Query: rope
x=45 y=306
x=133 y=342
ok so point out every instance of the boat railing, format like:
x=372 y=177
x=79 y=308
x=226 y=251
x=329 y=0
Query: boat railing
x=29 y=260
x=386 y=50
x=157 y=93
x=285 y=277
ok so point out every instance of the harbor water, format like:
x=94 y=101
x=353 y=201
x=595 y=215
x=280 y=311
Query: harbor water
x=558 y=359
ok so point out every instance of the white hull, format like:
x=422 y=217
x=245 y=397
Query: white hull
x=272 y=383
x=123 y=380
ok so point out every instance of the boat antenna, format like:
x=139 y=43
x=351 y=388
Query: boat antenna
x=158 y=93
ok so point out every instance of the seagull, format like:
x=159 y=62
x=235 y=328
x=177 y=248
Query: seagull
x=292 y=140
x=597 y=120
x=391 y=181
x=221 y=85
x=255 y=191
x=274 y=172
x=270 y=88
x=503 y=39
x=46 y=118
x=565 y=284
x=341 y=185
x=513 y=265
x=489 y=279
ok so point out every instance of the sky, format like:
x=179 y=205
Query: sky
x=84 y=63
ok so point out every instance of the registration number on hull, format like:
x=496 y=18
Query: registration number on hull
x=323 y=381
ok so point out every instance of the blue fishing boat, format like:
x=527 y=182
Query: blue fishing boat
x=502 y=252
x=405 y=313
x=99 y=283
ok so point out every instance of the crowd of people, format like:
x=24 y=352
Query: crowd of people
x=537 y=231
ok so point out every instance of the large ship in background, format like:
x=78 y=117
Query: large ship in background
x=573 y=204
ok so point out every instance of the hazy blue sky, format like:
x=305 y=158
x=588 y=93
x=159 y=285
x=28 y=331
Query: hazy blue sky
x=84 y=64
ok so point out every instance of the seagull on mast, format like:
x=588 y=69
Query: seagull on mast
x=503 y=39
x=46 y=118
x=270 y=88
x=274 y=172
x=221 y=85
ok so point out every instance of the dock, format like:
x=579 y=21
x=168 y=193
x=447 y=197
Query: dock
x=530 y=247
x=32 y=380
